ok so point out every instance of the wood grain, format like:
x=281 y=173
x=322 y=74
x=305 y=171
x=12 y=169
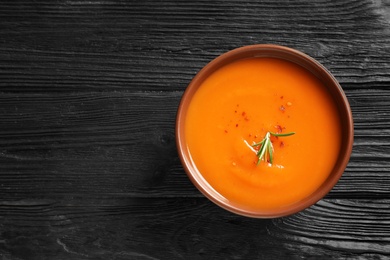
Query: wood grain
x=191 y=229
x=73 y=46
x=88 y=98
x=126 y=141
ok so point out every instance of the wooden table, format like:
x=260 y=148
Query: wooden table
x=88 y=98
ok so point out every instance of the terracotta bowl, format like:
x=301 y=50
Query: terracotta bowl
x=301 y=59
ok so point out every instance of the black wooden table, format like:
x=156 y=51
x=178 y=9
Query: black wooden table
x=88 y=98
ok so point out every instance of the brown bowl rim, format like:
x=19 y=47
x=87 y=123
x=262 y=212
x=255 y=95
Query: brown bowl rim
x=292 y=55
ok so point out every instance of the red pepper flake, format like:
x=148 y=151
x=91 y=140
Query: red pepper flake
x=281 y=144
x=235 y=111
x=246 y=118
x=281 y=97
x=226 y=131
x=279 y=129
x=282 y=108
x=243 y=113
x=236 y=125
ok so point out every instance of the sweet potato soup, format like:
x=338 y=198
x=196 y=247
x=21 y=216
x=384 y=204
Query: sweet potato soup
x=236 y=106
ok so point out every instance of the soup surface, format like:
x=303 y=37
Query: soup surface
x=236 y=106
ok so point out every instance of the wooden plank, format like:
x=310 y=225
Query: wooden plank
x=349 y=228
x=190 y=229
x=100 y=46
x=116 y=143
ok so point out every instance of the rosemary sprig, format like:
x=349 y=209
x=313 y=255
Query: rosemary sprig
x=266 y=151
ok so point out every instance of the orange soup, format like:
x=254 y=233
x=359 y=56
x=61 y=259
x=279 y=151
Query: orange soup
x=236 y=106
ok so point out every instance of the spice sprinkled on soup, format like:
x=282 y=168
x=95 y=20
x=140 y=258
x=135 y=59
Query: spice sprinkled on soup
x=263 y=132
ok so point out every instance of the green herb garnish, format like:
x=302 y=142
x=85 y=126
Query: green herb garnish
x=266 y=151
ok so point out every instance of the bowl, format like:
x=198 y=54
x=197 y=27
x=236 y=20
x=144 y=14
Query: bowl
x=267 y=177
